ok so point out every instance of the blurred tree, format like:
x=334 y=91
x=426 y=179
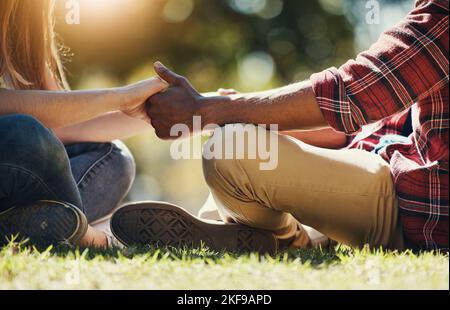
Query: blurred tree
x=244 y=44
x=300 y=36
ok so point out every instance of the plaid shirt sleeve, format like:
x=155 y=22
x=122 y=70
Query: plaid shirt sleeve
x=408 y=62
x=406 y=70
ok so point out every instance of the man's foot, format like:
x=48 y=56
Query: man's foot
x=44 y=223
x=163 y=224
x=315 y=238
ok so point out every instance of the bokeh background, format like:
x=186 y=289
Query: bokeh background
x=243 y=44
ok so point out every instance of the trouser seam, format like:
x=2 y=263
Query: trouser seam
x=97 y=163
x=33 y=175
x=234 y=194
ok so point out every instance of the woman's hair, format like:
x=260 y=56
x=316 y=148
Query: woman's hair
x=29 y=57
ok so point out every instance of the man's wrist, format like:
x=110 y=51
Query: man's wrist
x=214 y=110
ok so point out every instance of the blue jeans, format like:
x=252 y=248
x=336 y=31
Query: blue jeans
x=35 y=165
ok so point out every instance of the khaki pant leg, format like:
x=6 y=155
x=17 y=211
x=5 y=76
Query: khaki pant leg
x=346 y=194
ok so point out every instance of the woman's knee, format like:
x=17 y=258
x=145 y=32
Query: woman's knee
x=26 y=140
x=107 y=182
x=36 y=160
x=124 y=164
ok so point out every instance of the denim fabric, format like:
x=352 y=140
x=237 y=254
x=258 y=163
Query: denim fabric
x=35 y=165
x=104 y=173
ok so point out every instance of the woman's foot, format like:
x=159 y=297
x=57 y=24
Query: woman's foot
x=163 y=224
x=44 y=223
x=99 y=238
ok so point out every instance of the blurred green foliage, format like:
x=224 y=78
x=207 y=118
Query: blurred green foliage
x=243 y=44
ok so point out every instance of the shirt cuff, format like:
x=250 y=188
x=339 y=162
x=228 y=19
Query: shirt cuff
x=331 y=95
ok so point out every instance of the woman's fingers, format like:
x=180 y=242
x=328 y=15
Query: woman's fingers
x=157 y=85
x=136 y=96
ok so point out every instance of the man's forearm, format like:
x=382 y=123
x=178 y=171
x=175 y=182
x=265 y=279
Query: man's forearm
x=58 y=109
x=291 y=107
x=326 y=138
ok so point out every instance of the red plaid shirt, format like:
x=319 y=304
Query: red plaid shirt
x=401 y=82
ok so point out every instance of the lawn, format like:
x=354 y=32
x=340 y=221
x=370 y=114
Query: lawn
x=340 y=268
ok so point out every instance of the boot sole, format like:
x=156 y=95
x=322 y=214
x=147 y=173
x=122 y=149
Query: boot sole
x=163 y=224
x=44 y=223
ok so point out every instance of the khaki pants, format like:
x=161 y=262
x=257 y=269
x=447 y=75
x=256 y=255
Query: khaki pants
x=348 y=195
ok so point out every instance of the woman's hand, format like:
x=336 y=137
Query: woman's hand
x=135 y=96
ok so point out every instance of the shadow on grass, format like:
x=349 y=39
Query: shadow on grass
x=315 y=257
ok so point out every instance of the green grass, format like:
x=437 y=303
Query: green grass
x=341 y=268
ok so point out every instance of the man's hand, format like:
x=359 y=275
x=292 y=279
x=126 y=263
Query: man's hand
x=292 y=107
x=177 y=105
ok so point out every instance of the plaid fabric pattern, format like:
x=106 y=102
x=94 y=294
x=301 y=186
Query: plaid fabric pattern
x=402 y=81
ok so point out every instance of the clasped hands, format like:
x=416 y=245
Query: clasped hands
x=178 y=104
x=167 y=100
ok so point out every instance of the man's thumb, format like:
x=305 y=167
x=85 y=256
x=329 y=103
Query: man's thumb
x=166 y=74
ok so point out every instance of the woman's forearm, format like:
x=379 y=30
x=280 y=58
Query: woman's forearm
x=105 y=128
x=57 y=109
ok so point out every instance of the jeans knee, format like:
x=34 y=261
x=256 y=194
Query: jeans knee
x=124 y=163
x=25 y=138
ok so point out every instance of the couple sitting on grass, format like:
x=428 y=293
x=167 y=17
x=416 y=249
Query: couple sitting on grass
x=362 y=149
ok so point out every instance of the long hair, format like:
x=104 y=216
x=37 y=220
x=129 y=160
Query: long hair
x=28 y=51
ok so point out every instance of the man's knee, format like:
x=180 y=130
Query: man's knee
x=217 y=166
x=237 y=149
x=229 y=154
x=26 y=139
x=218 y=171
